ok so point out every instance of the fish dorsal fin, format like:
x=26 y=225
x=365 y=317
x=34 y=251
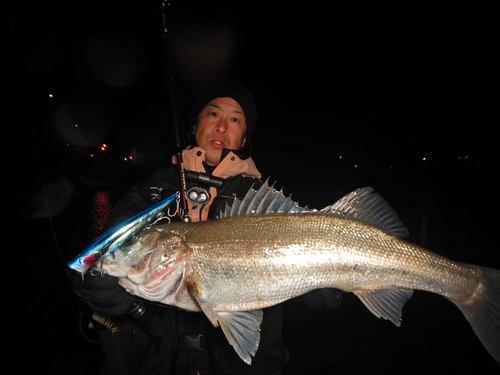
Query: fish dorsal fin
x=387 y=304
x=365 y=205
x=361 y=204
x=266 y=200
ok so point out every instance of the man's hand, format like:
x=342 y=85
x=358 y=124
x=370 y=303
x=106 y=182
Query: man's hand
x=102 y=293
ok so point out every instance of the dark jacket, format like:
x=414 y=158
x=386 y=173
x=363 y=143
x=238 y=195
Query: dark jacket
x=189 y=343
x=239 y=176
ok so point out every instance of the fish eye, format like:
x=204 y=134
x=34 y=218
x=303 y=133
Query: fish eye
x=132 y=240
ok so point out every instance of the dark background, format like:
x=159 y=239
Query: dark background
x=399 y=98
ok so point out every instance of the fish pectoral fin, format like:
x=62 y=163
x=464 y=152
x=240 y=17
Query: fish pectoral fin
x=196 y=292
x=242 y=330
x=387 y=304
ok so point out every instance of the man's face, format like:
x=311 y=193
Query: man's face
x=221 y=124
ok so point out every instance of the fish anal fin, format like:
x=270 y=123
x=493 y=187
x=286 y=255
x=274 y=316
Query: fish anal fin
x=241 y=328
x=387 y=304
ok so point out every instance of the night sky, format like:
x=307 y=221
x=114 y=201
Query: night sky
x=380 y=85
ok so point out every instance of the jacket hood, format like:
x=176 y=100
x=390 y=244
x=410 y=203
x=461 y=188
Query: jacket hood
x=233 y=163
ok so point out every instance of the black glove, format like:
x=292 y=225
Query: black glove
x=145 y=316
x=329 y=297
x=102 y=293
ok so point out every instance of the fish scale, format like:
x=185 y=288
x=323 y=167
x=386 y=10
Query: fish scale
x=332 y=256
x=232 y=267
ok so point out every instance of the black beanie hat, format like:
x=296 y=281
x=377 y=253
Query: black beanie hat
x=226 y=88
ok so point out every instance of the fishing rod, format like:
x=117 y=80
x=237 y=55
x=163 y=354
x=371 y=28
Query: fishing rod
x=178 y=140
x=197 y=194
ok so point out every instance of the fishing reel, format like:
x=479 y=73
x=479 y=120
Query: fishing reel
x=199 y=194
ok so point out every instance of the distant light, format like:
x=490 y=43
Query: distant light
x=76 y=125
x=130 y=157
x=340 y=157
x=91 y=155
x=424 y=159
x=51 y=96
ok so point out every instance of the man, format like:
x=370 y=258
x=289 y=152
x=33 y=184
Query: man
x=164 y=340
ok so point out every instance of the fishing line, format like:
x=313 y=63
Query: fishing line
x=165 y=5
x=43 y=187
x=25 y=104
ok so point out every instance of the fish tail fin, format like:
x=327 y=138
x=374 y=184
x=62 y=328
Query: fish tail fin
x=482 y=311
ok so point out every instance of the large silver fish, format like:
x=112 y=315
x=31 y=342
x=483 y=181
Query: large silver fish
x=266 y=249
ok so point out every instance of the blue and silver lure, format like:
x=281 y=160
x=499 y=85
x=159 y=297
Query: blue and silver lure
x=118 y=235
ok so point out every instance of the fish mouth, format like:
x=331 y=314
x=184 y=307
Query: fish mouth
x=140 y=273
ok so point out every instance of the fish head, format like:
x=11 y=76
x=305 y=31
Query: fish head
x=152 y=265
x=133 y=257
